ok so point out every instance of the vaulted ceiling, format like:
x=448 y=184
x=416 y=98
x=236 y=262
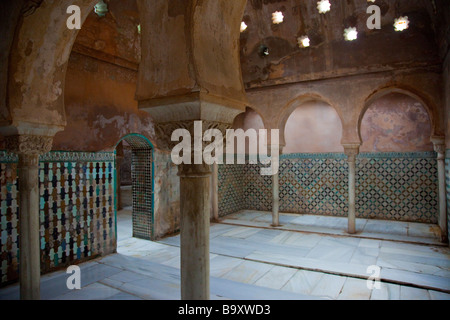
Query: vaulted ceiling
x=329 y=55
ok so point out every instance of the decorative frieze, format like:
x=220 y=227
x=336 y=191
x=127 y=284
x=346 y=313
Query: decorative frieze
x=62 y=156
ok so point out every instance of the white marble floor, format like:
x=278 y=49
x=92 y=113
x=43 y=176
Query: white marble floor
x=420 y=233
x=262 y=263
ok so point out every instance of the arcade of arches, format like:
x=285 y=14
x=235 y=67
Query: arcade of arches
x=86 y=120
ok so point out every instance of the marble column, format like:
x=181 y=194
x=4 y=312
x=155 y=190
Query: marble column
x=29 y=148
x=194 y=238
x=276 y=186
x=351 y=151
x=195 y=207
x=439 y=147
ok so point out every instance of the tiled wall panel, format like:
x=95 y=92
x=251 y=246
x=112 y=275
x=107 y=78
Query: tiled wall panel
x=76 y=210
x=401 y=187
x=231 y=189
x=314 y=185
x=393 y=186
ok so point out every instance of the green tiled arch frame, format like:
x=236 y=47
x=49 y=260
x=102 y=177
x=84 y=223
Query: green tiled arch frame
x=143 y=221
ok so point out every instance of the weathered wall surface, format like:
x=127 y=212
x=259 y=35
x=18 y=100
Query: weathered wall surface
x=349 y=97
x=9 y=13
x=100 y=106
x=37 y=65
x=329 y=55
x=101 y=83
x=396 y=123
x=167 y=195
x=202 y=52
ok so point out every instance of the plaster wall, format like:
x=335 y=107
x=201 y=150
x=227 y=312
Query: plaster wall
x=167 y=195
x=396 y=123
x=349 y=96
x=314 y=127
x=100 y=106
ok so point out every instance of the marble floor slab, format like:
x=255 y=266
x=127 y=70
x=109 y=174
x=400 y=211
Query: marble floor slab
x=366 y=228
x=253 y=262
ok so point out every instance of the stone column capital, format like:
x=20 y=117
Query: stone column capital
x=29 y=145
x=439 y=146
x=351 y=151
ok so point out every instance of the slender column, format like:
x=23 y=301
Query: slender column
x=29 y=148
x=439 y=147
x=351 y=151
x=276 y=187
x=215 y=191
x=195 y=203
x=275 y=200
x=194 y=238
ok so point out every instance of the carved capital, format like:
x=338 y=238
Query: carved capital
x=164 y=131
x=351 y=151
x=439 y=146
x=440 y=150
x=29 y=144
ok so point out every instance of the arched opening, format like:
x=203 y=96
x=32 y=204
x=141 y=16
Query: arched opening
x=396 y=122
x=397 y=170
x=313 y=168
x=140 y=215
x=313 y=127
x=250 y=119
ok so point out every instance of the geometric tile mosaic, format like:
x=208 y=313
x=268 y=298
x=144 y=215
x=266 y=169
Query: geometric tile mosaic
x=257 y=188
x=231 y=188
x=142 y=186
x=401 y=189
x=142 y=179
x=9 y=218
x=314 y=186
x=76 y=210
x=392 y=186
